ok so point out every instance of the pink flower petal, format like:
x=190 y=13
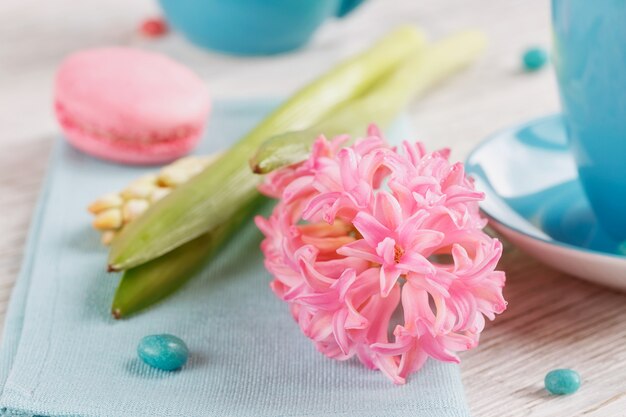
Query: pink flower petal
x=339 y=331
x=412 y=361
x=359 y=249
x=388 y=210
x=370 y=228
x=388 y=279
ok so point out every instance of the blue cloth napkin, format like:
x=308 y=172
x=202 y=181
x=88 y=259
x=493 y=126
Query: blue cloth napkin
x=63 y=355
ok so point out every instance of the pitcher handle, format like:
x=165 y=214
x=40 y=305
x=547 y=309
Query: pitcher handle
x=347 y=6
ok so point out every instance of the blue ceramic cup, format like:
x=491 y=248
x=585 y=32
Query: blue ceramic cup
x=590 y=63
x=252 y=27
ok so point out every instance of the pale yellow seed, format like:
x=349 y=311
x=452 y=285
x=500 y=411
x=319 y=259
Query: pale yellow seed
x=173 y=177
x=195 y=169
x=113 y=211
x=110 y=219
x=180 y=171
x=184 y=161
x=159 y=193
x=209 y=159
x=107 y=237
x=146 y=179
x=105 y=202
x=138 y=190
x=133 y=209
x=194 y=165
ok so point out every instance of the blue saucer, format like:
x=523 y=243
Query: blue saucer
x=533 y=196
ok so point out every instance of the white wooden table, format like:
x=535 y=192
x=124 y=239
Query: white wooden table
x=552 y=321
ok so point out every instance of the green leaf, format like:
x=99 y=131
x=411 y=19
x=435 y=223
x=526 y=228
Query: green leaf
x=212 y=197
x=151 y=282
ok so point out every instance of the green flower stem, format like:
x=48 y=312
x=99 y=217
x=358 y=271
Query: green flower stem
x=381 y=104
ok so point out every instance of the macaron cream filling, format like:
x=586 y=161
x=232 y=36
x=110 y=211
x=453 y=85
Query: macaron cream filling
x=180 y=133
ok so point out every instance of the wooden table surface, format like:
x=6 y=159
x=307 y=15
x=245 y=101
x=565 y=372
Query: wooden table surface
x=553 y=320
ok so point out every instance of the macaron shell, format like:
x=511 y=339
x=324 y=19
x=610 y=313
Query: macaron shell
x=125 y=152
x=130 y=105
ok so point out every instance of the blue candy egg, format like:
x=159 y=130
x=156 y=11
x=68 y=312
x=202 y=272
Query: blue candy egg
x=163 y=351
x=534 y=59
x=562 y=381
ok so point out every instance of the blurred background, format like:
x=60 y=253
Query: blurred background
x=492 y=94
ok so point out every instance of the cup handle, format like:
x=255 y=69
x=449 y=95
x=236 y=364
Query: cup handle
x=347 y=6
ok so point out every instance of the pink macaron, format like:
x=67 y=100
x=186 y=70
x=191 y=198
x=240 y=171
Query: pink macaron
x=130 y=106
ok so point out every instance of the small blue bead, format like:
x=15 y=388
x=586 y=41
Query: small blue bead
x=562 y=381
x=163 y=351
x=534 y=59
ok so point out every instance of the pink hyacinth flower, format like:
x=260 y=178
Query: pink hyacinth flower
x=380 y=253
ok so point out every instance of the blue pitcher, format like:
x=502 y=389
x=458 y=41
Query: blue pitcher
x=252 y=27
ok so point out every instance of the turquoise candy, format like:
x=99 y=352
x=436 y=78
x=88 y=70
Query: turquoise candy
x=163 y=351
x=562 y=381
x=534 y=59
